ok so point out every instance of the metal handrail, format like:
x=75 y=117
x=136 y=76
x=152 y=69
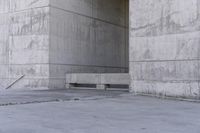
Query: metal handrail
x=15 y=82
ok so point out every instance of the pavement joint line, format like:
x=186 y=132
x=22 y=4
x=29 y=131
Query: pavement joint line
x=93 y=99
x=31 y=102
x=55 y=100
x=169 y=98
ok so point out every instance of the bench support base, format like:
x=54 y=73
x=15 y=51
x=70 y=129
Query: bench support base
x=69 y=86
x=101 y=87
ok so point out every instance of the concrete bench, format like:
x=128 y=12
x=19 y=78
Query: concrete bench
x=100 y=81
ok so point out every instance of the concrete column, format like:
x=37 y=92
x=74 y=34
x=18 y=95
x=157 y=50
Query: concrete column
x=44 y=40
x=24 y=43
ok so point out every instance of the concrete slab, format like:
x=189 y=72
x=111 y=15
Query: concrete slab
x=120 y=113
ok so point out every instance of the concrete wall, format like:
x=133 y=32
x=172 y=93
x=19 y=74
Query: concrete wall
x=4 y=8
x=87 y=36
x=24 y=39
x=165 y=47
x=44 y=40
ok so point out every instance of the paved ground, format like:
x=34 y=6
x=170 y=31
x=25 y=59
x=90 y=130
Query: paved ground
x=27 y=97
x=95 y=112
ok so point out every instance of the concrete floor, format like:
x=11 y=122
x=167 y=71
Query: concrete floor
x=94 y=112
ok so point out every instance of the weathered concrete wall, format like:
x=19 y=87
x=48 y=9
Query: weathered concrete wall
x=87 y=36
x=4 y=8
x=44 y=40
x=165 y=47
x=24 y=42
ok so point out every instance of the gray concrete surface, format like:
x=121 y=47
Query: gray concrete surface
x=45 y=39
x=164 y=47
x=95 y=112
x=89 y=36
x=37 y=96
x=24 y=42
